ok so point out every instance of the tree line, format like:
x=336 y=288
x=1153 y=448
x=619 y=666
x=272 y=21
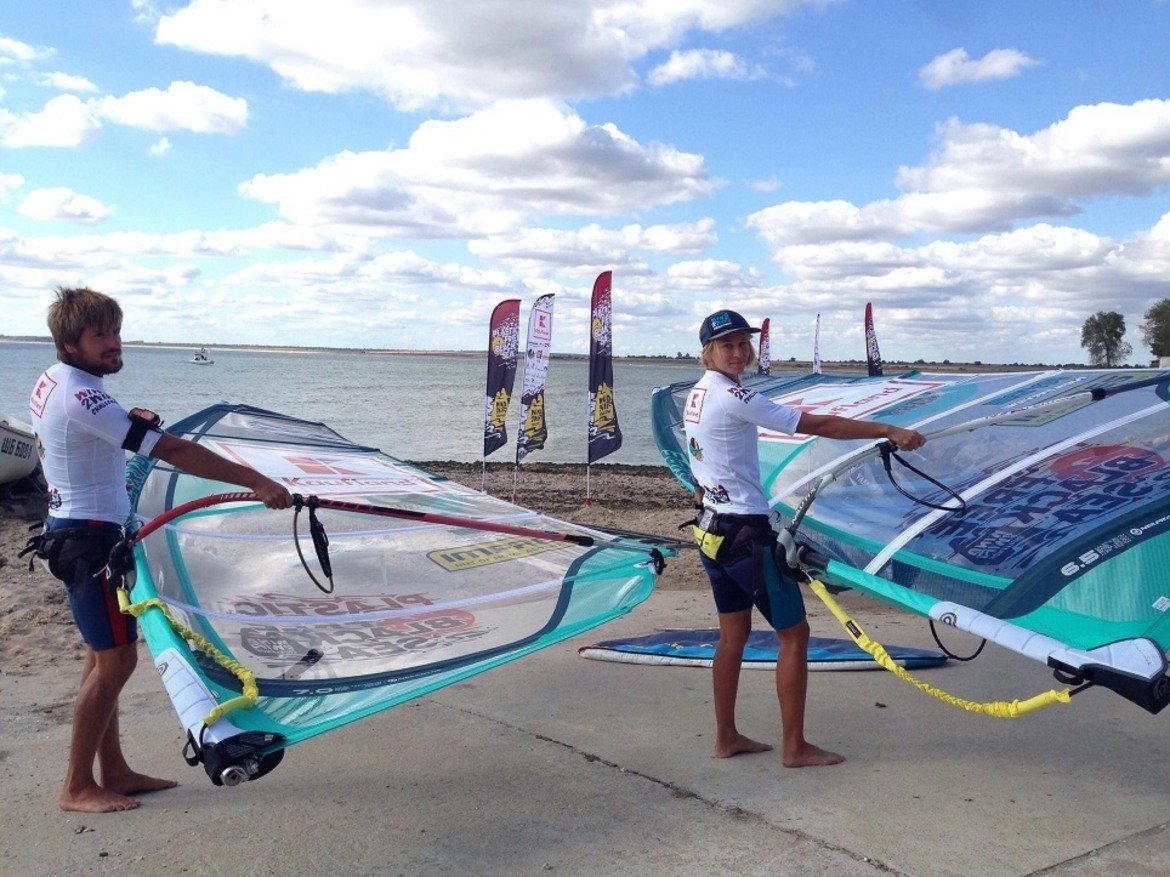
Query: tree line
x=1102 y=335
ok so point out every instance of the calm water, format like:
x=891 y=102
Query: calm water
x=427 y=407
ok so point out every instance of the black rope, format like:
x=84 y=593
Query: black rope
x=948 y=652
x=320 y=541
x=889 y=450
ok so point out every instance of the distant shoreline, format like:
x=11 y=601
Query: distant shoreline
x=847 y=366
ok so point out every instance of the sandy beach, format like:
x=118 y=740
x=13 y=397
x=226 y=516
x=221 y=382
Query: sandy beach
x=554 y=764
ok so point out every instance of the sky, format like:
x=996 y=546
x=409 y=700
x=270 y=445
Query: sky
x=382 y=173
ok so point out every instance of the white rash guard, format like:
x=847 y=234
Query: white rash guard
x=721 y=420
x=82 y=434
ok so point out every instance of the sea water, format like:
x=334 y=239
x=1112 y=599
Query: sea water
x=412 y=406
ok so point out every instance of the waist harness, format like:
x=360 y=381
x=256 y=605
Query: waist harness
x=64 y=548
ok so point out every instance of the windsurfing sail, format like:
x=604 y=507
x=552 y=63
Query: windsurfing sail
x=764 y=367
x=1046 y=530
x=816 y=354
x=604 y=435
x=533 y=428
x=503 y=348
x=429 y=582
x=873 y=357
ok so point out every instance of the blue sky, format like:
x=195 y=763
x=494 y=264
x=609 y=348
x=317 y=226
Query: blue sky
x=380 y=174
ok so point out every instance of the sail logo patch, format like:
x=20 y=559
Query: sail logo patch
x=487 y=553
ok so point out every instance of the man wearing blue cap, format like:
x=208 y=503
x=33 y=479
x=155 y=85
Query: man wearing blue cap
x=735 y=534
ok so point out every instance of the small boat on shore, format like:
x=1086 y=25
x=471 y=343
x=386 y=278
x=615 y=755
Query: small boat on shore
x=202 y=357
x=18 y=454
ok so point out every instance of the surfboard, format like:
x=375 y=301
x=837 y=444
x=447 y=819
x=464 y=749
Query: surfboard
x=696 y=648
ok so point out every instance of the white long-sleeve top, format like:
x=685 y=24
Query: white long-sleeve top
x=721 y=420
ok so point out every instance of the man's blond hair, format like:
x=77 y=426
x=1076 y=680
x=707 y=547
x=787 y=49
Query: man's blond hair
x=78 y=309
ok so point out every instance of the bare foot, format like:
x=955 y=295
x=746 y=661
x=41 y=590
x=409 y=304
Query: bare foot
x=741 y=745
x=95 y=799
x=137 y=784
x=812 y=756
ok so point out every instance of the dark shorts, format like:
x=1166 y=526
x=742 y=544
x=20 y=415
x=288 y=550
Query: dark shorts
x=734 y=588
x=91 y=596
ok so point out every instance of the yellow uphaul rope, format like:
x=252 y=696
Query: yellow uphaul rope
x=250 y=693
x=1000 y=709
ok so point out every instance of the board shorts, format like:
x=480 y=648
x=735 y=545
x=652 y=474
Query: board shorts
x=749 y=574
x=82 y=555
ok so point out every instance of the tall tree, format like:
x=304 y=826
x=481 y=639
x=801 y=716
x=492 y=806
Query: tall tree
x=1101 y=335
x=1156 y=328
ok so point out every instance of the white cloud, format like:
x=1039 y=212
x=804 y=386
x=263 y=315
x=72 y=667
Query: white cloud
x=956 y=66
x=651 y=23
x=144 y=11
x=803 y=222
x=991 y=298
x=482 y=174
x=160 y=147
x=592 y=248
x=684 y=237
x=1097 y=149
x=61 y=203
x=418 y=53
x=182 y=106
x=976 y=299
x=544 y=251
x=65 y=121
x=15 y=52
x=703 y=64
x=985 y=178
x=65 y=82
x=712 y=275
x=8 y=183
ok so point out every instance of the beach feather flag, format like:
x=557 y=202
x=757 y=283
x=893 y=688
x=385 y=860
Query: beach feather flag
x=816 y=359
x=503 y=345
x=873 y=358
x=605 y=436
x=533 y=429
x=765 y=358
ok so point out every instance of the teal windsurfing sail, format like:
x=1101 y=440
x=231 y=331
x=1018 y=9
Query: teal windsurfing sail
x=429 y=582
x=1045 y=529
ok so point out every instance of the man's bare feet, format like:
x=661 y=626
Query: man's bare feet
x=812 y=756
x=741 y=745
x=95 y=799
x=137 y=784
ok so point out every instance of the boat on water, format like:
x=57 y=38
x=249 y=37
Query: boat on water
x=18 y=454
x=202 y=357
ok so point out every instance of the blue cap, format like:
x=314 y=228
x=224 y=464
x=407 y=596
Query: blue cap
x=723 y=323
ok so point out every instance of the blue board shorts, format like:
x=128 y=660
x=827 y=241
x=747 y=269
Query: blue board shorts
x=91 y=596
x=734 y=588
